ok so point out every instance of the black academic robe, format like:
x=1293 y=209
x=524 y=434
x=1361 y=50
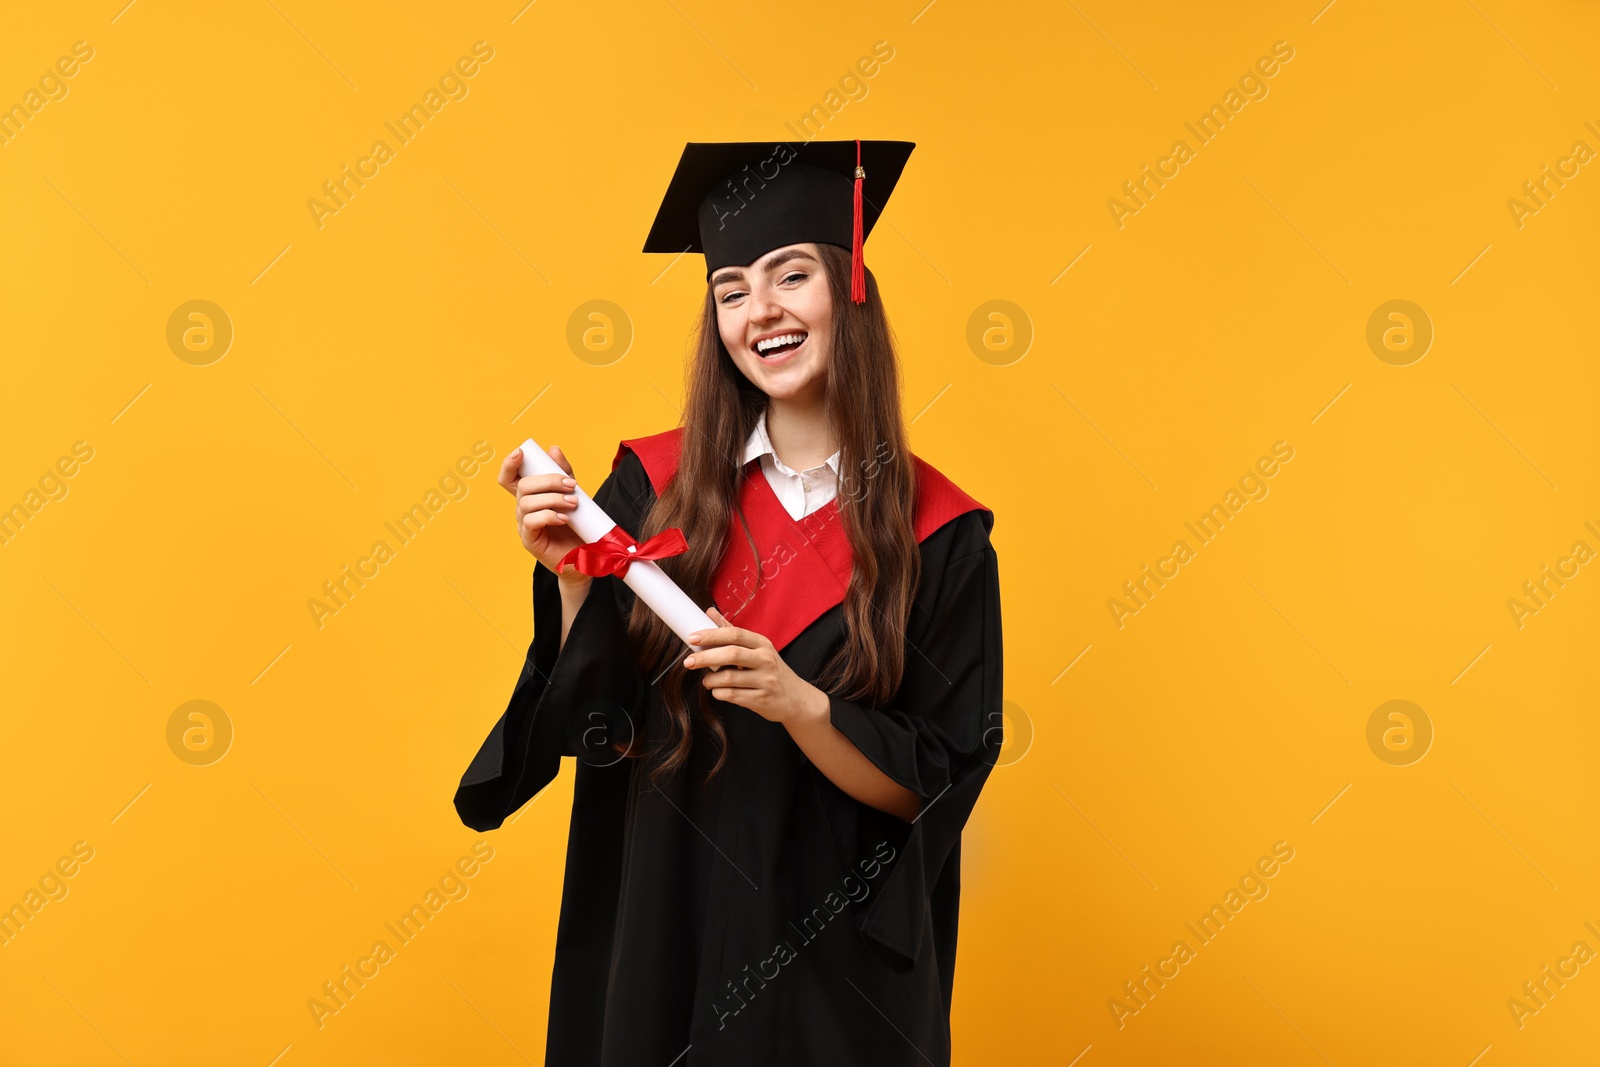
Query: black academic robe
x=766 y=918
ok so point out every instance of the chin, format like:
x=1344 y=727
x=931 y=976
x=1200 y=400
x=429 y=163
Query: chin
x=785 y=383
x=783 y=391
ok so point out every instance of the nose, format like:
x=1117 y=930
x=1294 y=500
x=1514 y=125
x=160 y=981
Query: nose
x=763 y=306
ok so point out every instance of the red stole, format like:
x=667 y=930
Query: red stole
x=804 y=564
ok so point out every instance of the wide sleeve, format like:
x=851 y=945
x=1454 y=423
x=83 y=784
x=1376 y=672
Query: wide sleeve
x=572 y=699
x=939 y=738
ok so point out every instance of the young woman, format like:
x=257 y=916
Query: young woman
x=763 y=863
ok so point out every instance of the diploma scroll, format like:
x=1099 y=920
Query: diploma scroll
x=647 y=580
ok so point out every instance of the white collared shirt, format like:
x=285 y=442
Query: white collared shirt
x=800 y=492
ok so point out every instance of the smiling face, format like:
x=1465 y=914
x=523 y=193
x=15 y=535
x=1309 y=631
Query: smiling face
x=776 y=319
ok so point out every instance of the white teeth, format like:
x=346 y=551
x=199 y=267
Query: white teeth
x=773 y=342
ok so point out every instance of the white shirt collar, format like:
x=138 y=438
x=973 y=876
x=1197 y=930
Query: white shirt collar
x=760 y=444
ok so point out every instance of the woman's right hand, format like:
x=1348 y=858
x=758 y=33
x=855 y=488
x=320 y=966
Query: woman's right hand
x=544 y=503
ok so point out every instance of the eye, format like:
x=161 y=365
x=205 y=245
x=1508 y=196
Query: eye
x=794 y=274
x=729 y=296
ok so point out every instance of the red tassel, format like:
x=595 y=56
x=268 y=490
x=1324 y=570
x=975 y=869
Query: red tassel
x=858 y=266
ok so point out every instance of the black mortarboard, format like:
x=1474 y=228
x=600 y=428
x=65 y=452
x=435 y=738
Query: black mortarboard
x=735 y=200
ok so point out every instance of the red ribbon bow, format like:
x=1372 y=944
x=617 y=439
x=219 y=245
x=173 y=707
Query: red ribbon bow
x=617 y=550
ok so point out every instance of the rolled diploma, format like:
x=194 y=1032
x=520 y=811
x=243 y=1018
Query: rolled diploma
x=648 y=581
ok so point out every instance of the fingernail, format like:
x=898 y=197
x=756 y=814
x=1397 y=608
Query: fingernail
x=569 y=483
x=570 y=498
x=694 y=639
x=689 y=662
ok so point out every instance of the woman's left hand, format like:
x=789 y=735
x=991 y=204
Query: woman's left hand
x=748 y=671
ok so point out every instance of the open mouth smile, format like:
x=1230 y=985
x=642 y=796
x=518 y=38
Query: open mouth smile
x=777 y=347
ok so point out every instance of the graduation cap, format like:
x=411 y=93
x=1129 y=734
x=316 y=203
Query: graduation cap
x=735 y=200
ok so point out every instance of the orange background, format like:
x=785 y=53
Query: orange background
x=1137 y=373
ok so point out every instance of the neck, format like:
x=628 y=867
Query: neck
x=799 y=431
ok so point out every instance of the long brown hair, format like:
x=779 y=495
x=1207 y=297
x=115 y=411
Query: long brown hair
x=876 y=497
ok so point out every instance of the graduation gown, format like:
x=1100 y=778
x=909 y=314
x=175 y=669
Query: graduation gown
x=768 y=917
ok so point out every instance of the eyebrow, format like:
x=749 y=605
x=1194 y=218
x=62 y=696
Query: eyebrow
x=737 y=275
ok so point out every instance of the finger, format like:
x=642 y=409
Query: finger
x=546 y=483
x=728 y=634
x=537 y=520
x=561 y=458
x=553 y=501
x=721 y=635
x=736 y=679
x=510 y=471
x=725 y=634
x=725 y=656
